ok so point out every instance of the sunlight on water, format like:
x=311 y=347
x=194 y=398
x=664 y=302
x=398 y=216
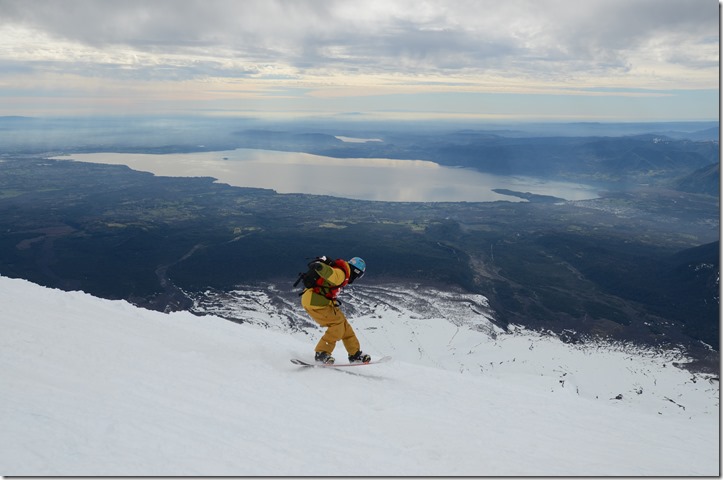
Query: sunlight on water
x=357 y=178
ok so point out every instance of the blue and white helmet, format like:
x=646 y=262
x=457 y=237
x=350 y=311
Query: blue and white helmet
x=357 y=266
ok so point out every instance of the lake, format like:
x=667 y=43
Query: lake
x=356 y=178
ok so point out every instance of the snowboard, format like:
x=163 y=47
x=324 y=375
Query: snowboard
x=304 y=363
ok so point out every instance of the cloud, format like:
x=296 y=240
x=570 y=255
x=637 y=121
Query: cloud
x=337 y=48
x=377 y=35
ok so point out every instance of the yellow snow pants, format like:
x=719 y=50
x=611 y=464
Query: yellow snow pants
x=337 y=328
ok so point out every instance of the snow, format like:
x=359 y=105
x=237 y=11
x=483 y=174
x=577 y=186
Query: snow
x=94 y=387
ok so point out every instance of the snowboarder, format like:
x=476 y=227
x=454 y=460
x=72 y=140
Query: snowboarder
x=321 y=304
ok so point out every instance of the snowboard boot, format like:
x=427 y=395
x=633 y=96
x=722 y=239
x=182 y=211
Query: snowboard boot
x=323 y=357
x=360 y=357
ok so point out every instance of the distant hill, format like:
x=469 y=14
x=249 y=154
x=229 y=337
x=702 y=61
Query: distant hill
x=649 y=158
x=704 y=180
x=711 y=134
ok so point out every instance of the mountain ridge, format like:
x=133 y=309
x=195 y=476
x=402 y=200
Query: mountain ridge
x=95 y=387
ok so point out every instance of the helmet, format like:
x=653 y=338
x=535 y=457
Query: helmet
x=357 y=266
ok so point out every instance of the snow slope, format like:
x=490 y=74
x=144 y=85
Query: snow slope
x=102 y=388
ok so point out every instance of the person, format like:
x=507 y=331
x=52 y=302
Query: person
x=321 y=304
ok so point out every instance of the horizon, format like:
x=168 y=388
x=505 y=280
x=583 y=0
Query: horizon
x=344 y=120
x=342 y=117
x=521 y=61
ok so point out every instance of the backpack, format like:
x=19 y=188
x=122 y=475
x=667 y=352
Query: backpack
x=312 y=279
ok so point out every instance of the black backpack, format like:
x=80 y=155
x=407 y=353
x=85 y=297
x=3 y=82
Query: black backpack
x=310 y=278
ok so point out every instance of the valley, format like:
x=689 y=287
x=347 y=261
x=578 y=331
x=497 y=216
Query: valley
x=627 y=266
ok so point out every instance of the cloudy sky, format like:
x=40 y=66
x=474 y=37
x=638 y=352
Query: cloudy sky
x=566 y=60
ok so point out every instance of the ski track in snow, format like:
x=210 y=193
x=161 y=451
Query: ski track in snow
x=93 y=387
